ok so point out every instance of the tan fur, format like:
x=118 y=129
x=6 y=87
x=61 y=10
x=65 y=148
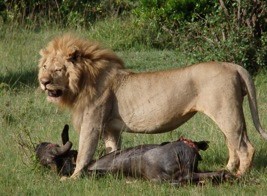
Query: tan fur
x=106 y=99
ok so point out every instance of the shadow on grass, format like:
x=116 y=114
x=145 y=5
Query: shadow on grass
x=17 y=80
x=260 y=159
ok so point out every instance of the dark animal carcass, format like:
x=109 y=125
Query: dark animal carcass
x=175 y=162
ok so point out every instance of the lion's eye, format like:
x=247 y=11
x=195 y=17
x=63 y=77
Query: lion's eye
x=44 y=66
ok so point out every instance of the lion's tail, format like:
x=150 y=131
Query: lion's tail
x=251 y=92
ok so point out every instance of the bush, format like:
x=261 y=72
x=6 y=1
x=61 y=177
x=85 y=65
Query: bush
x=226 y=30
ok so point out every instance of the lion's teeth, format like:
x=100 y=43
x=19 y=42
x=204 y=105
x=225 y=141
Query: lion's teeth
x=54 y=93
x=50 y=93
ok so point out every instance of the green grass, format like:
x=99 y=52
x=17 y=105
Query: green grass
x=26 y=117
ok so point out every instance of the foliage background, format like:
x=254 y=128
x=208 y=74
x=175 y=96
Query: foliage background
x=225 y=30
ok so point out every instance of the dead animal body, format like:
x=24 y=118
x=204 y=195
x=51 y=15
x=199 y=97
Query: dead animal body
x=175 y=162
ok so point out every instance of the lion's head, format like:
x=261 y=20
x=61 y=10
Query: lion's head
x=69 y=68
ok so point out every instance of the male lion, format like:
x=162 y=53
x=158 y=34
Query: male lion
x=105 y=99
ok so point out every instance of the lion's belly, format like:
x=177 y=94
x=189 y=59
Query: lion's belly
x=152 y=108
x=149 y=125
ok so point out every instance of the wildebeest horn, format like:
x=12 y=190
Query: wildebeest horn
x=65 y=134
x=63 y=149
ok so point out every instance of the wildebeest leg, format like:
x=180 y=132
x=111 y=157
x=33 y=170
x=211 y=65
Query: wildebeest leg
x=217 y=177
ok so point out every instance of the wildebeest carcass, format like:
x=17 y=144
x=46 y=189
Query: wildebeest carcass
x=175 y=162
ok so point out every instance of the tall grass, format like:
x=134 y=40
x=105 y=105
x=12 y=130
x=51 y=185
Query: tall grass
x=26 y=118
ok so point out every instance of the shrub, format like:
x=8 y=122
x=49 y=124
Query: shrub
x=228 y=30
x=224 y=30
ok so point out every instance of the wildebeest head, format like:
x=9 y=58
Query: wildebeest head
x=59 y=158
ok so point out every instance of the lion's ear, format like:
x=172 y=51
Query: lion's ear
x=74 y=54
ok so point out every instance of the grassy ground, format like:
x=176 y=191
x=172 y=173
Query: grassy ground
x=26 y=118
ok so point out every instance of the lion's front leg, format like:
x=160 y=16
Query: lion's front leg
x=93 y=123
x=91 y=128
x=88 y=141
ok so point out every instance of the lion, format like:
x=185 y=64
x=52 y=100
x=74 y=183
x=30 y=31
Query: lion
x=106 y=99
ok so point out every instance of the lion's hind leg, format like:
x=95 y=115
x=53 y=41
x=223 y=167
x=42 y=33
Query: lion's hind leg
x=112 y=140
x=230 y=119
x=246 y=153
x=232 y=123
x=237 y=140
x=233 y=161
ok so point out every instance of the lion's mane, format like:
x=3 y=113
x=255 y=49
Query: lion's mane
x=91 y=63
x=89 y=70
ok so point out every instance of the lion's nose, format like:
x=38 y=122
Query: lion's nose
x=45 y=81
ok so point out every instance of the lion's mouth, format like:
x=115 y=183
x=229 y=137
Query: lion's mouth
x=54 y=93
